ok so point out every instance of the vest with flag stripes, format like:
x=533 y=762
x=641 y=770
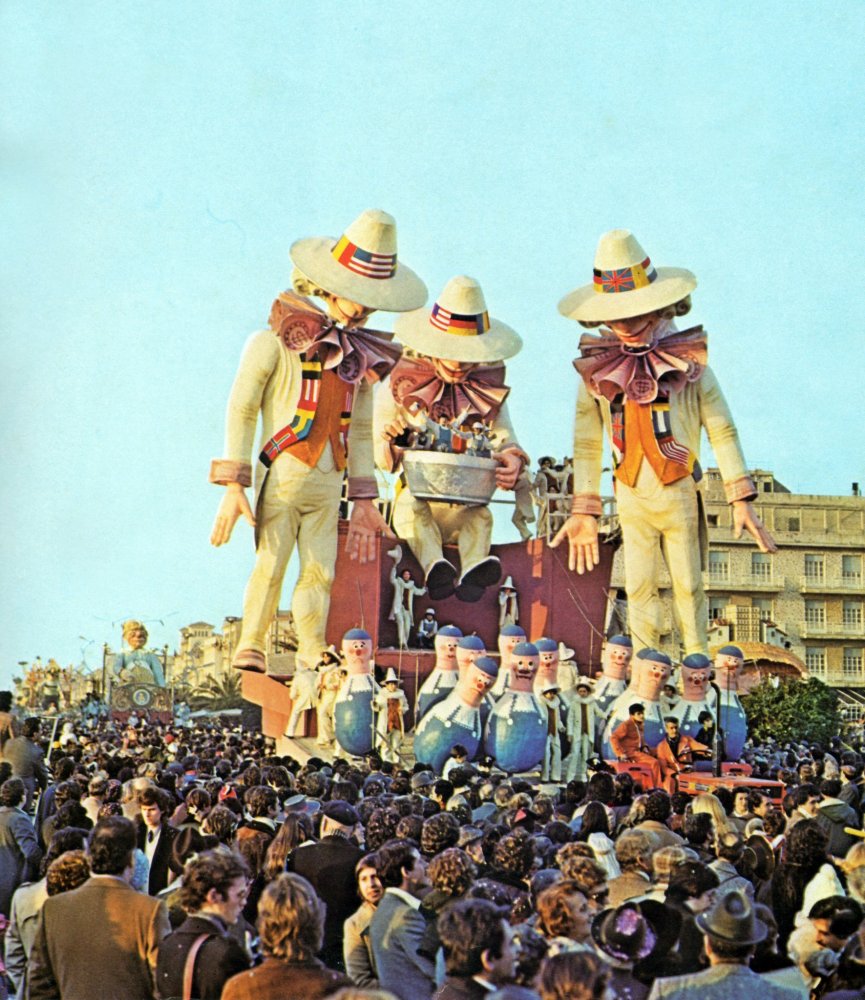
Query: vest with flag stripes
x=643 y=431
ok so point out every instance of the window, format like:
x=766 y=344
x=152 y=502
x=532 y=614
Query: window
x=851 y=615
x=851 y=664
x=712 y=520
x=763 y=605
x=761 y=566
x=815 y=613
x=815 y=659
x=792 y=523
x=717 y=606
x=719 y=565
x=814 y=567
x=851 y=569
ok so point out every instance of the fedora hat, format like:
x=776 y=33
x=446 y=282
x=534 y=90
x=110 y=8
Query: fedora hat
x=732 y=919
x=458 y=327
x=362 y=265
x=625 y=283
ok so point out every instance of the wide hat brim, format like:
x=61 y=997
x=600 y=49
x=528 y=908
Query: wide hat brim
x=499 y=343
x=671 y=285
x=759 y=930
x=314 y=257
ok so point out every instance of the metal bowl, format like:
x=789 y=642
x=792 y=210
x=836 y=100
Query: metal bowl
x=444 y=477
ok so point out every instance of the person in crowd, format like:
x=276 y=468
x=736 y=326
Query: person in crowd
x=124 y=928
x=24 y=755
x=629 y=744
x=478 y=950
x=574 y=975
x=396 y=930
x=634 y=850
x=357 y=950
x=565 y=917
x=212 y=894
x=19 y=849
x=155 y=836
x=691 y=891
x=291 y=930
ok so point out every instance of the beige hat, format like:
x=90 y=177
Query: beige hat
x=362 y=265
x=458 y=327
x=626 y=283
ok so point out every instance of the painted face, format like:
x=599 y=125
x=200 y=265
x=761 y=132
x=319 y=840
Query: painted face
x=694 y=683
x=523 y=670
x=357 y=653
x=478 y=681
x=347 y=312
x=548 y=663
x=446 y=651
x=466 y=657
x=636 y=331
x=506 y=645
x=728 y=666
x=452 y=371
x=616 y=661
x=136 y=638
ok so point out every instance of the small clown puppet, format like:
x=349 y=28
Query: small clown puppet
x=548 y=664
x=729 y=661
x=457 y=719
x=391 y=705
x=647 y=387
x=585 y=720
x=551 y=701
x=615 y=662
x=453 y=368
x=352 y=711
x=509 y=636
x=650 y=670
x=404 y=592
x=509 y=604
x=444 y=675
x=427 y=629
x=517 y=728
x=697 y=696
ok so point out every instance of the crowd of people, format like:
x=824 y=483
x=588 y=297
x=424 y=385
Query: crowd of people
x=198 y=863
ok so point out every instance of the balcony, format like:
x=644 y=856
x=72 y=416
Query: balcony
x=748 y=582
x=842 y=678
x=832 y=630
x=851 y=584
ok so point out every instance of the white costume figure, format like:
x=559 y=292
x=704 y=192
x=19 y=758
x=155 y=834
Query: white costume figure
x=650 y=669
x=457 y=719
x=309 y=377
x=615 y=661
x=569 y=672
x=509 y=604
x=457 y=373
x=329 y=681
x=540 y=494
x=516 y=731
x=548 y=665
x=730 y=716
x=427 y=629
x=585 y=719
x=670 y=697
x=391 y=705
x=304 y=695
x=443 y=677
x=697 y=696
x=552 y=705
x=509 y=636
x=404 y=593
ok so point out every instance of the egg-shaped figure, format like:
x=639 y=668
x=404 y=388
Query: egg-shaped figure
x=516 y=732
x=509 y=636
x=469 y=648
x=696 y=693
x=650 y=669
x=443 y=677
x=615 y=661
x=730 y=716
x=352 y=711
x=457 y=719
x=548 y=665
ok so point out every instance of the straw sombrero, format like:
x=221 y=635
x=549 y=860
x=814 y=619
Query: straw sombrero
x=625 y=283
x=458 y=327
x=362 y=265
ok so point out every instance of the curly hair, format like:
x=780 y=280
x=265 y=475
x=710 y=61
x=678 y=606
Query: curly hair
x=215 y=869
x=221 y=822
x=409 y=828
x=12 y=792
x=575 y=863
x=573 y=975
x=67 y=872
x=554 y=908
x=467 y=929
x=259 y=800
x=658 y=806
x=439 y=833
x=452 y=872
x=632 y=847
x=381 y=827
x=290 y=919
x=514 y=854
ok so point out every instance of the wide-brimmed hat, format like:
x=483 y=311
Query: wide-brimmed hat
x=625 y=283
x=458 y=327
x=732 y=919
x=623 y=933
x=565 y=652
x=362 y=265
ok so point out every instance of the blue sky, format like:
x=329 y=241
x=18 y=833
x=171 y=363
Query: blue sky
x=159 y=158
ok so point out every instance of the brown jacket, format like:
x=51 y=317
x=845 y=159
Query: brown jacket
x=278 y=980
x=687 y=746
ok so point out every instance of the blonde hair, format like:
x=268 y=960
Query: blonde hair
x=290 y=919
x=133 y=625
x=854 y=858
x=710 y=804
x=306 y=286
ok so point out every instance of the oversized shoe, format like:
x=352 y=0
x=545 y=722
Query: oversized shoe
x=250 y=659
x=440 y=580
x=475 y=581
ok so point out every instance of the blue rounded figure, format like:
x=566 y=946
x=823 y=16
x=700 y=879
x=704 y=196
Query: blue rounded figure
x=516 y=733
x=352 y=711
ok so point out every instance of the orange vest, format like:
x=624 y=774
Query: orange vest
x=647 y=436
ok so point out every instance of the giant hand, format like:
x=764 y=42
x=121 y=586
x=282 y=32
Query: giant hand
x=744 y=516
x=363 y=527
x=510 y=467
x=581 y=531
x=232 y=505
